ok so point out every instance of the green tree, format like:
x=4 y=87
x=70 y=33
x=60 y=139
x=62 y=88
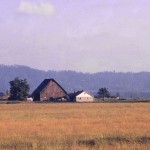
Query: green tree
x=103 y=92
x=19 y=89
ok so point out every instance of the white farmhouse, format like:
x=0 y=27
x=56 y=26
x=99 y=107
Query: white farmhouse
x=82 y=96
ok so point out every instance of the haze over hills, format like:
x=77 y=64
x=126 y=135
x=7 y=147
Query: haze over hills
x=136 y=85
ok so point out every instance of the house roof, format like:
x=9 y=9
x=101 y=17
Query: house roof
x=78 y=93
x=43 y=84
x=73 y=95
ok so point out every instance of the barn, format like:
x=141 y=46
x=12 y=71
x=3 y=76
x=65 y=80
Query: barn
x=81 y=96
x=49 y=89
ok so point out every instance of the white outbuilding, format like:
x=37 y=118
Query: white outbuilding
x=82 y=96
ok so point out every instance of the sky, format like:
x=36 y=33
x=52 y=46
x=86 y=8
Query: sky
x=87 y=36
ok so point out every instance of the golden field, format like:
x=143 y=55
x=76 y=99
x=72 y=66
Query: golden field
x=75 y=126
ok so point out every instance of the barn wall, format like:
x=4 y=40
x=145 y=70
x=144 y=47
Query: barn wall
x=52 y=90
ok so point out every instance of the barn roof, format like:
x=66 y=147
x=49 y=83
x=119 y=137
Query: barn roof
x=43 y=85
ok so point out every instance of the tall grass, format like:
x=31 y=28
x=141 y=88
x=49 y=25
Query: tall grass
x=73 y=126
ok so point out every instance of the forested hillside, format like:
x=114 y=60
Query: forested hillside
x=126 y=84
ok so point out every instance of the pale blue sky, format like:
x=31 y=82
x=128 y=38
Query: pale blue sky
x=88 y=35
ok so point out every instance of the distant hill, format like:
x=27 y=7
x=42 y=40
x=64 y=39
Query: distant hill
x=136 y=85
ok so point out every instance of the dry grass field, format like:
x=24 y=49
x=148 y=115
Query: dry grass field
x=74 y=126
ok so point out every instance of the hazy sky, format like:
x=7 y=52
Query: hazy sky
x=81 y=35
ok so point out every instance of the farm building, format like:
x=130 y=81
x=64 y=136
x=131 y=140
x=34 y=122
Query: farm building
x=49 y=89
x=81 y=96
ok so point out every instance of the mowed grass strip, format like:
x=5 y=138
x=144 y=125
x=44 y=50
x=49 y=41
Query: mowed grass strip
x=75 y=126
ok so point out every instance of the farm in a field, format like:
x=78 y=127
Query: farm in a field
x=75 y=126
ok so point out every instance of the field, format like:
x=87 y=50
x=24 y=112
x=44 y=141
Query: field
x=74 y=126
